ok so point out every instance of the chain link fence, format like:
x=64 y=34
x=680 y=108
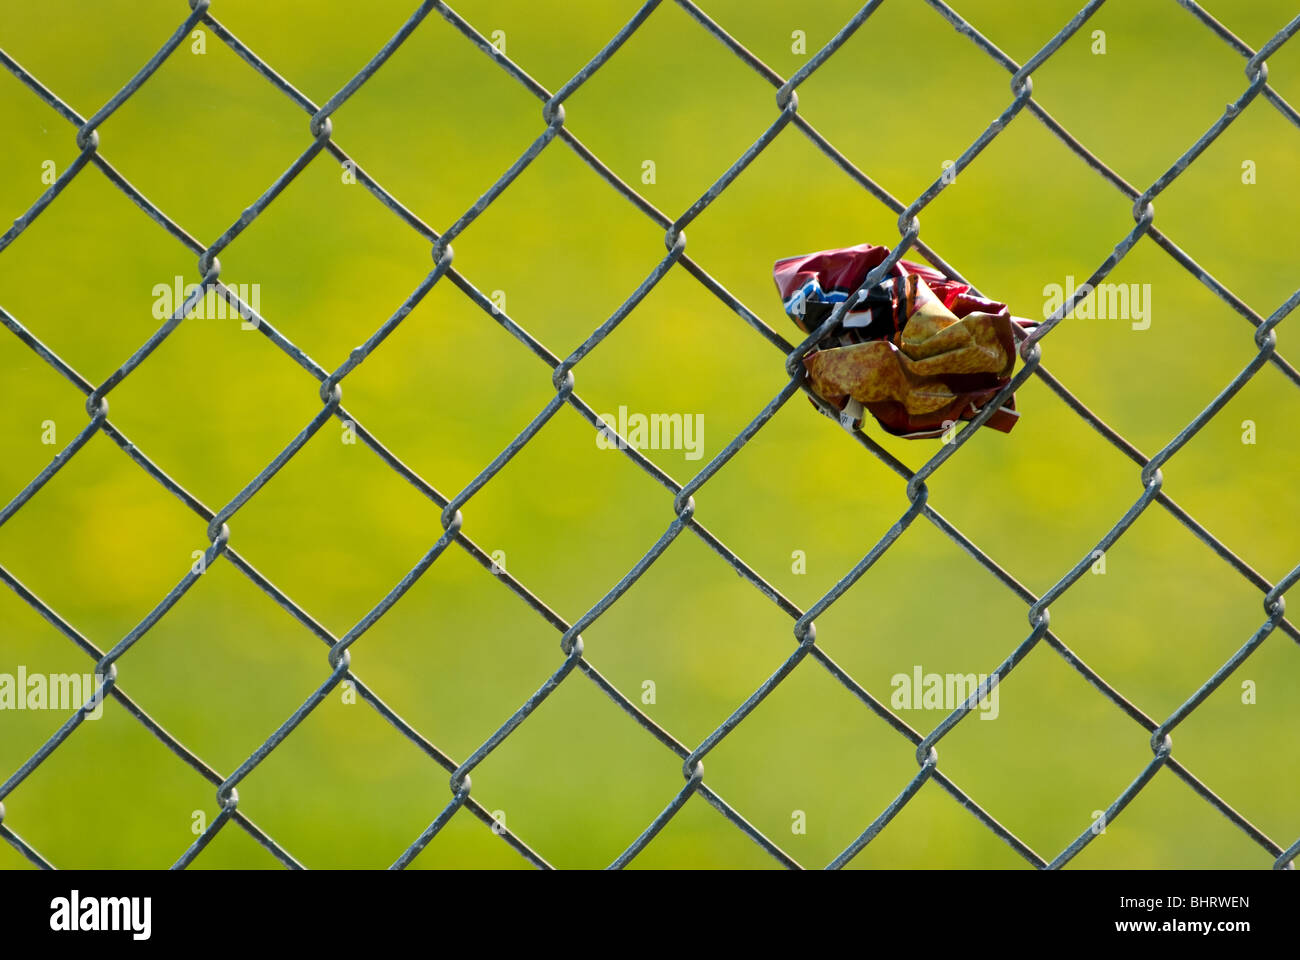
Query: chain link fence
x=572 y=659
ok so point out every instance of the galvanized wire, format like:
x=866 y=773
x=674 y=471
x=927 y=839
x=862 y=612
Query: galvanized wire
x=573 y=657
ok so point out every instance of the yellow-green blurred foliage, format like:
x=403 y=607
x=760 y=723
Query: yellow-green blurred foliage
x=336 y=528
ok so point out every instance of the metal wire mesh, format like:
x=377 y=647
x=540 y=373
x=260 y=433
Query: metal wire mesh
x=573 y=659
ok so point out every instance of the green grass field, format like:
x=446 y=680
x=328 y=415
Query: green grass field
x=102 y=543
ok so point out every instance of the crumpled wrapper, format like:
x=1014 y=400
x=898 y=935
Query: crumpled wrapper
x=919 y=353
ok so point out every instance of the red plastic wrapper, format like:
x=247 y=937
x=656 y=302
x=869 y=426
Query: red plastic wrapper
x=920 y=352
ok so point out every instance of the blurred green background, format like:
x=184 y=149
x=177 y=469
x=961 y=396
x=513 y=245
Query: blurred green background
x=102 y=543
